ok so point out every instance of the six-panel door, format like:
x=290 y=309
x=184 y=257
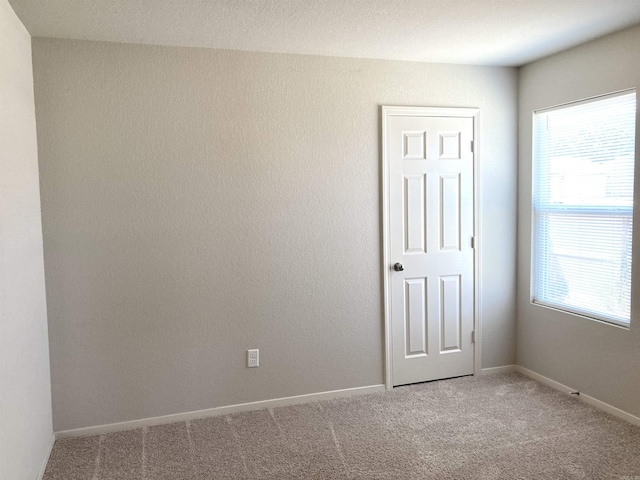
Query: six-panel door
x=431 y=228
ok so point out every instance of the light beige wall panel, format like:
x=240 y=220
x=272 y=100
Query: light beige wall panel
x=25 y=391
x=201 y=202
x=597 y=359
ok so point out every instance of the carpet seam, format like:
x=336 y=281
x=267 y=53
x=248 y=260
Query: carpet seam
x=236 y=438
x=143 y=465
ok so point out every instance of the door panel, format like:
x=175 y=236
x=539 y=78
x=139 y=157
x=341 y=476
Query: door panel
x=415 y=202
x=431 y=226
x=450 y=319
x=416 y=316
x=450 y=212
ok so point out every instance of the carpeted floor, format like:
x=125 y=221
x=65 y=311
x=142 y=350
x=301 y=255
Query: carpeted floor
x=497 y=427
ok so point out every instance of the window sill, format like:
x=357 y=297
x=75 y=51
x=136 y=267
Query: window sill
x=611 y=323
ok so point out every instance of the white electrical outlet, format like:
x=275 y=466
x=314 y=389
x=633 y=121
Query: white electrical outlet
x=253 y=358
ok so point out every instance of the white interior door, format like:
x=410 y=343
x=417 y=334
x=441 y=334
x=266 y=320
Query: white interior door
x=430 y=292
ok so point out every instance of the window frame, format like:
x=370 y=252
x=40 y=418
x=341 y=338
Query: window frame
x=536 y=224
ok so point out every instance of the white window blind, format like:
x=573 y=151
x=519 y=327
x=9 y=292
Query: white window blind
x=584 y=155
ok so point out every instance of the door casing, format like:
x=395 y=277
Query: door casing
x=474 y=113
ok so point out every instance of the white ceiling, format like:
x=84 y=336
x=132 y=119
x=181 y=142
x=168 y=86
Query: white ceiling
x=480 y=32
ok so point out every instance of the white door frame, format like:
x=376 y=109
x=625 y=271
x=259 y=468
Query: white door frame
x=474 y=113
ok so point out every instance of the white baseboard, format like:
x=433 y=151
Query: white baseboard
x=314 y=397
x=212 y=412
x=46 y=457
x=496 y=370
x=610 y=409
x=542 y=379
x=585 y=398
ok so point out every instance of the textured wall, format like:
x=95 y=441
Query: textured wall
x=199 y=202
x=25 y=392
x=600 y=360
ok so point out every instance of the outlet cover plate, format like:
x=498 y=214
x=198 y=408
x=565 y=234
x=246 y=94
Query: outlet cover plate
x=253 y=358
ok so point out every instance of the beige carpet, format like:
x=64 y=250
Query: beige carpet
x=497 y=427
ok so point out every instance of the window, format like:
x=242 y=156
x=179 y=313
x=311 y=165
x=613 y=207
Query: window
x=583 y=167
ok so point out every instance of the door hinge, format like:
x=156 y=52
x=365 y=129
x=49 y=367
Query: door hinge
x=473 y=336
x=473 y=242
x=471 y=146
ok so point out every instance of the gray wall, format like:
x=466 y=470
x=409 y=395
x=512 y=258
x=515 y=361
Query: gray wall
x=197 y=203
x=25 y=392
x=597 y=359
